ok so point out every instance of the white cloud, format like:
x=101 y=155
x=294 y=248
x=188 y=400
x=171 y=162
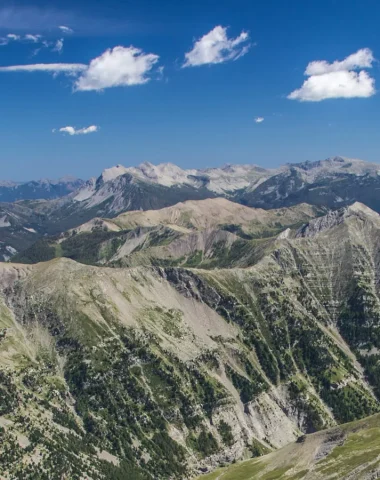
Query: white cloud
x=55 y=46
x=259 y=119
x=58 y=46
x=216 y=47
x=338 y=79
x=117 y=67
x=363 y=58
x=81 y=131
x=11 y=37
x=46 y=67
x=65 y=29
x=343 y=84
x=32 y=38
x=120 y=66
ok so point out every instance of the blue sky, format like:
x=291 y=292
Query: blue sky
x=197 y=110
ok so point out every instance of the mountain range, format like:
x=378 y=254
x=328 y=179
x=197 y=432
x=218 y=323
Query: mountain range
x=40 y=189
x=330 y=183
x=156 y=326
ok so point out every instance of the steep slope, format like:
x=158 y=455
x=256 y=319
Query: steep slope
x=169 y=370
x=338 y=258
x=106 y=372
x=351 y=451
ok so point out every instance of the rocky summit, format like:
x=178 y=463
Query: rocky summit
x=173 y=342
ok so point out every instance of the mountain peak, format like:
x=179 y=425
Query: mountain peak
x=335 y=218
x=360 y=208
x=113 y=172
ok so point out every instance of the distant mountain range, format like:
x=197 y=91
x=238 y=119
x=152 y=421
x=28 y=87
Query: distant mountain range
x=49 y=208
x=40 y=189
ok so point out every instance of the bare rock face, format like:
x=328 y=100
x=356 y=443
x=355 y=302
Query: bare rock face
x=332 y=219
x=337 y=217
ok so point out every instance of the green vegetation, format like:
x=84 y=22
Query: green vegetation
x=204 y=443
x=41 y=251
x=354 y=450
x=258 y=449
x=225 y=431
x=248 y=389
x=237 y=230
x=371 y=365
x=358 y=450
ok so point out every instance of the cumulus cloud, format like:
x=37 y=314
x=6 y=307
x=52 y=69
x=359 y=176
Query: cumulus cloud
x=117 y=67
x=338 y=79
x=363 y=58
x=259 y=119
x=80 y=131
x=343 y=84
x=216 y=47
x=66 y=29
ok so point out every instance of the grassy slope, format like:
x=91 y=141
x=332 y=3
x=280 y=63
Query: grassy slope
x=351 y=451
x=126 y=345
